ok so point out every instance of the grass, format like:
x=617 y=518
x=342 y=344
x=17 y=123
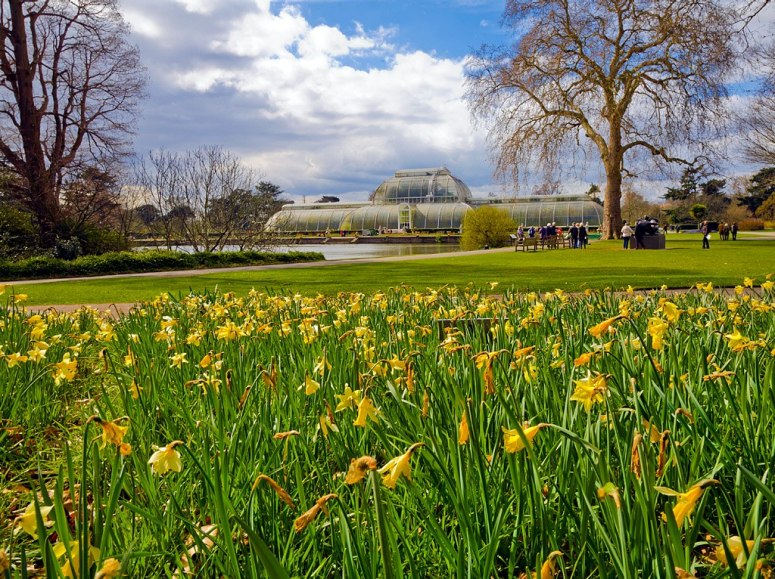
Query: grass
x=600 y=266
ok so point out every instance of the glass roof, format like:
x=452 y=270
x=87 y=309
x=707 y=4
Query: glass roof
x=417 y=186
x=562 y=210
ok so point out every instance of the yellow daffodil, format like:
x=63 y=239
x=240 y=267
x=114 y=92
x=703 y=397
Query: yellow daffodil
x=462 y=431
x=604 y=327
x=66 y=369
x=484 y=361
x=583 y=359
x=366 y=410
x=310 y=386
x=670 y=311
x=737 y=342
x=548 y=569
x=348 y=399
x=686 y=501
x=359 y=467
x=399 y=466
x=166 y=459
x=513 y=442
x=113 y=433
x=70 y=563
x=15 y=359
x=28 y=521
x=178 y=359
x=657 y=328
x=110 y=568
x=322 y=365
x=590 y=390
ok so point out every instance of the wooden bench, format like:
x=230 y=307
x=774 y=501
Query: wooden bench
x=527 y=242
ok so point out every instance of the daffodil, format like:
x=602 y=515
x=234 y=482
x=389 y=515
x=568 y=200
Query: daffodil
x=66 y=369
x=348 y=399
x=322 y=365
x=281 y=493
x=670 y=311
x=462 y=431
x=366 y=410
x=166 y=459
x=359 y=467
x=513 y=442
x=737 y=342
x=590 y=390
x=5 y=563
x=15 y=359
x=113 y=433
x=310 y=386
x=70 y=563
x=484 y=361
x=604 y=327
x=657 y=328
x=686 y=501
x=28 y=521
x=178 y=359
x=399 y=466
x=305 y=519
x=110 y=568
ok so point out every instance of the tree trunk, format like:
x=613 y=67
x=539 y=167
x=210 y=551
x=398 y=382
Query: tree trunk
x=612 y=203
x=42 y=196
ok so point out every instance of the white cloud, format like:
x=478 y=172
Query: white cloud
x=142 y=24
x=345 y=110
x=198 y=6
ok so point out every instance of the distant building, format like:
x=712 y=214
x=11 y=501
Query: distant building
x=429 y=200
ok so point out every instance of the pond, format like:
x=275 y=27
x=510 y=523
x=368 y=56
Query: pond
x=338 y=251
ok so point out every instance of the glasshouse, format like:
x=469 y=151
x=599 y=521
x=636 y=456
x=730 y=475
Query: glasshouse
x=429 y=200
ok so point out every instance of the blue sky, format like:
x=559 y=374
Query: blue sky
x=321 y=96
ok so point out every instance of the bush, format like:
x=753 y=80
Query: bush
x=141 y=261
x=68 y=249
x=18 y=235
x=486 y=227
x=751 y=225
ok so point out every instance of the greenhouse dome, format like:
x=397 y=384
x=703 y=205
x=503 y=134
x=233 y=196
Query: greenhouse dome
x=417 y=186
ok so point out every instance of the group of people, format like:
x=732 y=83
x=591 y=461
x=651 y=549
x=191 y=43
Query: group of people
x=577 y=234
x=643 y=227
x=725 y=229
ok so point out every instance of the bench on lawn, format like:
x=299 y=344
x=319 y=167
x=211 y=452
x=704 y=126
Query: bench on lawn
x=526 y=243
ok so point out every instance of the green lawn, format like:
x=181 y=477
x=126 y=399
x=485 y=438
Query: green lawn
x=603 y=264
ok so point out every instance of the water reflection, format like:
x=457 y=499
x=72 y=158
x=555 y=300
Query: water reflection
x=339 y=251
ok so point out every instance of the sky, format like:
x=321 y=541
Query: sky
x=322 y=97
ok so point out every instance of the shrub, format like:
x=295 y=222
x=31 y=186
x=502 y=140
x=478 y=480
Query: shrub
x=18 y=235
x=142 y=261
x=751 y=225
x=486 y=227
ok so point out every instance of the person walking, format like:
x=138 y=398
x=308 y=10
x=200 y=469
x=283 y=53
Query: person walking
x=627 y=233
x=574 y=236
x=734 y=232
x=582 y=236
x=705 y=230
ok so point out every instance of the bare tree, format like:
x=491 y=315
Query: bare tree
x=758 y=121
x=629 y=76
x=69 y=93
x=206 y=198
x=158 y=178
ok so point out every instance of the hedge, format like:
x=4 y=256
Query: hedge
x=142 y=261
